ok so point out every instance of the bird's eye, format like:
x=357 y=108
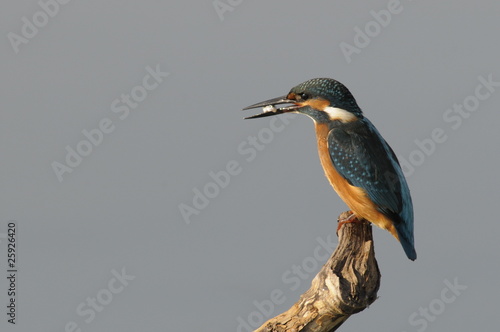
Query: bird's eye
x=304 y=96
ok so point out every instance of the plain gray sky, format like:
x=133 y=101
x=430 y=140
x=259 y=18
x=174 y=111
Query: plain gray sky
x=105 y=247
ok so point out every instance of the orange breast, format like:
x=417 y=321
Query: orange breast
x=355 y=197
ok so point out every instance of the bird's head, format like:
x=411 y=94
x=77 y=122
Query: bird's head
x=322 y=99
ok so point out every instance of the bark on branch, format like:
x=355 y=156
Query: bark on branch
x=347 y=284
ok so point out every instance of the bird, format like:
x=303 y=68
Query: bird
x=359 y=164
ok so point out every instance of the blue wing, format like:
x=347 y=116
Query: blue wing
x=365 y=160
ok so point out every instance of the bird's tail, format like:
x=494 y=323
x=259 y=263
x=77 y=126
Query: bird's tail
x=406 y=239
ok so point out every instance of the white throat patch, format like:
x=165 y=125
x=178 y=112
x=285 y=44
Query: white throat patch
x=339 y=114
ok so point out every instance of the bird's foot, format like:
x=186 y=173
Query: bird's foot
x=351 y=218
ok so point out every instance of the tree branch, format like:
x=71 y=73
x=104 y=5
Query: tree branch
x=347 y=284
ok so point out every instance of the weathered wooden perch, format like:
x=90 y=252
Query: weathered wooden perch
x=347 y=284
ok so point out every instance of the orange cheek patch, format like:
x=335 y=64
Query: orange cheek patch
x=317 y=103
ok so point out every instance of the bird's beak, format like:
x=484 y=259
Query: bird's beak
x=269 y=108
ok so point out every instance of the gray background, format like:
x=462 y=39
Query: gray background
x=119 y=209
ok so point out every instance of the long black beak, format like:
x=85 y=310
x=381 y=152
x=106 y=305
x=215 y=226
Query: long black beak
x=269 y=108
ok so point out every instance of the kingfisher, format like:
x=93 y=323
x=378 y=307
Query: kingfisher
x=359 y=164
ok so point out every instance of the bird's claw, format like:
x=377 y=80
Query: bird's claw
x=351 y=218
